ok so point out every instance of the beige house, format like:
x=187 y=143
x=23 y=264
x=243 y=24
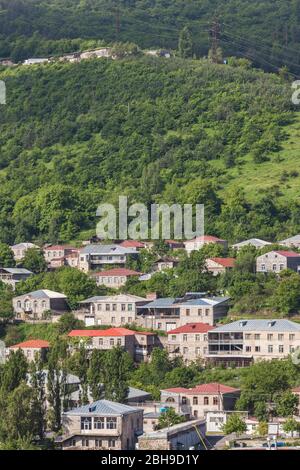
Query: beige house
x=166 y=314
x=196 y=402
x=114 y=278
x=242 y=342
x=255 y=242
x=189 y=341
x=219 y=265
x=11 y=276
x=20 y=249
x=31 y=348
x=292 y=242
x=95 y=257
x=102 y=425
x=277 y=261
x=115 y=310
x=138 y=344
x=199 y=242
x=40 y=305
x=61 y=255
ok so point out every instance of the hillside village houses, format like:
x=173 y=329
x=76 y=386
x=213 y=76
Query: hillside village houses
x=11 y=276
x=101 y=425
x=61 y=255
x=169 y=313
x=20 y=249
x=277 y=261
x=139 y=344
x=255 y=242
x=198 y=243
x=245 y=341
x=114 y=278
x=93 y=257
x=219 y=265
x=189 y=342
x=40 y=305
x=292 y=242
x=31 y=348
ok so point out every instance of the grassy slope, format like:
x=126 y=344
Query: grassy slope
x=256 y=178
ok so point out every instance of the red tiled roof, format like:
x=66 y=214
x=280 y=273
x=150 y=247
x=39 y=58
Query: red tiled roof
x=226 y=262
x=32 y=343
x=207 y=389
x=192 y=328
x=296 y=389
x=117 y=272
x=207 y=238
x=96 y=333
x=132 y=244
x=288 y=254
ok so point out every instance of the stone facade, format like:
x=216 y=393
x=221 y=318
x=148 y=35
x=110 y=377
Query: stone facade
x=189 y=342
x=35 y=305
x=277 y=261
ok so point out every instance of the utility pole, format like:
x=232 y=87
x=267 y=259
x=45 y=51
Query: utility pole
x=214 y=34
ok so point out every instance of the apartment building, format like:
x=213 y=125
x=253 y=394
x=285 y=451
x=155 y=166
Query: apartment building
x=242 y=342
x=114 y=278
x=42 y=304
x=166 y=314
x=102 y=425
x=277 y=261
x=197 y=401
x=199 y=242
x=94 y=257
x=115 y=310
x=138 y=344
x=189 y=342
x=31 y=349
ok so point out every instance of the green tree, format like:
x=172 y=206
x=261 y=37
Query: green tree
x=34 y=261
x=14 y=371
x=6 y=256
x=291 y=426
x=95 y=374
x=185 y=43
x=286 y=404
x=68 y=322
x=169 y=418
x=117 y=366
x=234 y=424
x=262 y=429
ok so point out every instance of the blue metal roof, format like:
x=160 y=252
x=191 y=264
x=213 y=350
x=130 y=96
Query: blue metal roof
x=103 y=408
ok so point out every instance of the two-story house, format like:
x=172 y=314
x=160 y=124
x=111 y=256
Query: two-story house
x=138 y=344
x=219 y=265
x=42 y=304
x=20 y=249
x=277 y=261
x=115 y=310
x=102 y=425
x=59 y=255
x=95 y=257
x=31 y=349
x=11 y=276
x=197 y=401
x=245 y=341
x=189 y=341
x=199 y=242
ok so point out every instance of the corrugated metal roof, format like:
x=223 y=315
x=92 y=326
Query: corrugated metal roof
x=18 y=271
x=107 y=250
x=259 y=325
x=103 y=408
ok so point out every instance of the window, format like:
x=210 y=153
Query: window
x=85 y=443
x=199 y=312
x=185 y=350
x=270 y=337
x=113 y=319
x=111 y=443
x=111 y=423
x=197 y=337
x=173 y=337
x=263 y=267
x=247 y=336
x=187 y=312
x=99 y=423
x=215 y=401
x=257 y=337
x=207 y=312
x=291 y=337
x=183 y=400
x=123 y=307
x=184 y=338
x=129 y=319
x=274 y=267
x=281 y=267
x=196 y=414
x=107 y=307
x=100 y=341
x=19 y=304
x=198 y=351
x=98 y=443
x=86 y=423
x=292 y=349
x=195 y=400
x=112 y=342
x=119 y=341
x=206 y=401
x=129 y=307
x=280 y=337
x=270 y=349
x=114 y=307
x=99 y=307
x=248 y=348
x=257 y=348
x=123 y=320
x=73 y=443
x=281 y=348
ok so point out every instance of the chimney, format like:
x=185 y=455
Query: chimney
x=151 y=296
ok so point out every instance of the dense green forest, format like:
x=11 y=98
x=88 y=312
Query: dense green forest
x=75 y=135
x=267 y=31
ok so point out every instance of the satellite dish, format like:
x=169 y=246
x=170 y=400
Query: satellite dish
x=2 y=352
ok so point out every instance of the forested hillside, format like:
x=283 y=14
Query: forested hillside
x=75 y=135
x=266 y=31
